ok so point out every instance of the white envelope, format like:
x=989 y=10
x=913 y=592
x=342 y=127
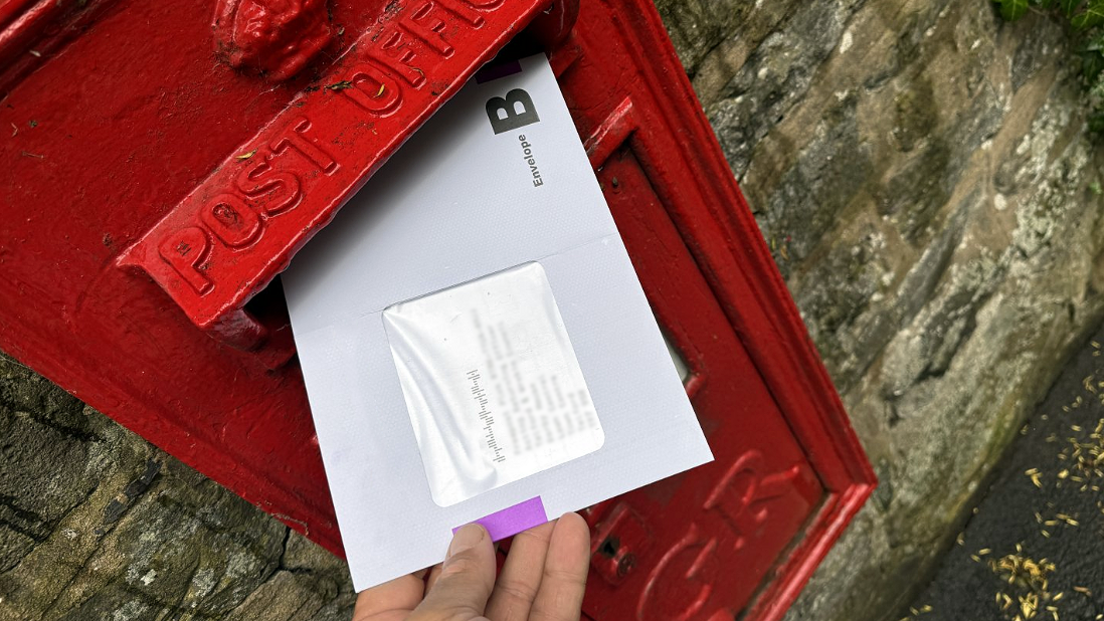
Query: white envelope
x=475 y=343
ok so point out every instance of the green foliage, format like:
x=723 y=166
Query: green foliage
x=1013 y=9
x=1086 y=20
x=1093 y=15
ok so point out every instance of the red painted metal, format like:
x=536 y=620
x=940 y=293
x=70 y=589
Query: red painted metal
x=118 y=136
x=277 y=38
x=23 y=20
x=741 y=535
x=140 y=162
x=232 y=234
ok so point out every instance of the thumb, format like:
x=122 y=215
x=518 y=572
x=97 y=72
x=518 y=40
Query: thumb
x=466 y=579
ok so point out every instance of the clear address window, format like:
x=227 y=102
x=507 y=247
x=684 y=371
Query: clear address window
x=491 y=382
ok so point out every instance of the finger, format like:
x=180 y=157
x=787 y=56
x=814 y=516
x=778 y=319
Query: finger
x=521 y=575
x=390 y=601
x=434 y=573
x=467 y=576
x=560 y=597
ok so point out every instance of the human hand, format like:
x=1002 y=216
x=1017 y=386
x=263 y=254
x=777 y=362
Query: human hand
x=542 y=579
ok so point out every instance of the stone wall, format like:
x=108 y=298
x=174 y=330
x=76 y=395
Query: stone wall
x=920 y=170
x=96 y=524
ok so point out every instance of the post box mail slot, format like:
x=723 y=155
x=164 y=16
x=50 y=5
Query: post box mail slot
x=168 y=160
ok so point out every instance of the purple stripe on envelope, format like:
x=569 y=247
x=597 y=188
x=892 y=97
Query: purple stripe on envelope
x=512 y=520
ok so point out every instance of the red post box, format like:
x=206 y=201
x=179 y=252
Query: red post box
x=166 y=160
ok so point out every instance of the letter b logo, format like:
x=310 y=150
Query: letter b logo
x=515 y=111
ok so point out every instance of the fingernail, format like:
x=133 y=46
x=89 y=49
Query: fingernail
x=465 y=539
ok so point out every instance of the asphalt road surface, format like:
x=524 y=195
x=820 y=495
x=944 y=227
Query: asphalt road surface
x=1034 y=548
